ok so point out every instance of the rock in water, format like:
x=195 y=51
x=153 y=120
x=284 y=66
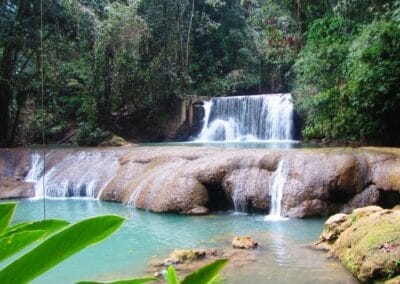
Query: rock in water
x=334 y=227
x=199 y=210
x=244 y=242
x=188 y=255
x=367 y=243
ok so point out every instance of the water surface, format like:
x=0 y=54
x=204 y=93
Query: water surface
x=144 y=237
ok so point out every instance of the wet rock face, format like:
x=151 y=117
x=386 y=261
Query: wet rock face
x=196 y=180
x=367 y=242
x=14 y=166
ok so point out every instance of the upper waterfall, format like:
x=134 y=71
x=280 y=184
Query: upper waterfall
x=248 y=118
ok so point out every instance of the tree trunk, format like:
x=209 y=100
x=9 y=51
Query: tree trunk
x=7 y=66
x=188 y=38
x=105 y=113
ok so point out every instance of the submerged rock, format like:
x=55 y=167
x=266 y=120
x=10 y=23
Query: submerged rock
x=367 y=242
x=244 y=242
x=199 y=210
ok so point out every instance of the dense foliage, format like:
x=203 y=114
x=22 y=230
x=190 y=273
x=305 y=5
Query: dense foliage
x=347 y=73
x=110 y=65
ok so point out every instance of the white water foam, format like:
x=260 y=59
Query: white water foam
x=36 y=170
x=77 y=175
x=248 y=118
x=276 y=193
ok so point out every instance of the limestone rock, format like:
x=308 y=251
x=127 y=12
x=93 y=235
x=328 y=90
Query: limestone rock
x=334 y=227
x=10 y=188
x=189 y=180
x=370 y=245
x=188 y=255
x=244 y=242
x=359 y=213
x=199 y=210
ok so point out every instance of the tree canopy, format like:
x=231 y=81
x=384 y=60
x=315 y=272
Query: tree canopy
x=107 y=59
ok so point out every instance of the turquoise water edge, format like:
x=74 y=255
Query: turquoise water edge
x=145 y=237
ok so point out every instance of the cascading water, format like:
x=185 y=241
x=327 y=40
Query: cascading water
x=81 y=174
x=36 y=170
x=248 y=118
x=276 y=192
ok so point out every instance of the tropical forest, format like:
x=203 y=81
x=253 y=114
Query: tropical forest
x=199 y=141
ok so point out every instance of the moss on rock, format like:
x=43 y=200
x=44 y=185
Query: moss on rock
x=370 y=246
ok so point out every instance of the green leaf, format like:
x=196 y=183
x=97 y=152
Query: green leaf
x=216 y=280
x=6 y=213
x=129 y=281
x=19 y=236
x=59 y=247
x=205 y=274
x=172 y=277
x=46 y=225
x=14 y=243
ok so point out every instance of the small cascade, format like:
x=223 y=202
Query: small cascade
x=248 y=118
x=82 y=174
x=36 y=170
x=276 y=192
x=239 y=203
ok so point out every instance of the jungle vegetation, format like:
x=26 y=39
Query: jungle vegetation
x=105 y=60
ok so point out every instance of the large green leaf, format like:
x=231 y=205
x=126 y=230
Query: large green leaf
x=205 y=274
x=216 y=280
x=6 y=213
x=14 y=243
x=172 y=277
x=59 y=247
x=46 y=225
x=19 y=236
x=130 y=281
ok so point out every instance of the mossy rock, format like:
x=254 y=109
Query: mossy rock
x=370 y=248
x=334 y=226
x=244 y=242
x=188 y=255
x=363 y=212
x=114 y=141
x=395 y=280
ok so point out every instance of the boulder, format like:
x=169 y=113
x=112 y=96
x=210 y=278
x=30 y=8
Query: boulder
x=369 y=244
x=334 y=227
x=244 y=242
x=188 y=255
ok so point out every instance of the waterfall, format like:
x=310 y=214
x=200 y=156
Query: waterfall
x=276 y=192
x=36 y=170
x=82 y=174
x=248 y=118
